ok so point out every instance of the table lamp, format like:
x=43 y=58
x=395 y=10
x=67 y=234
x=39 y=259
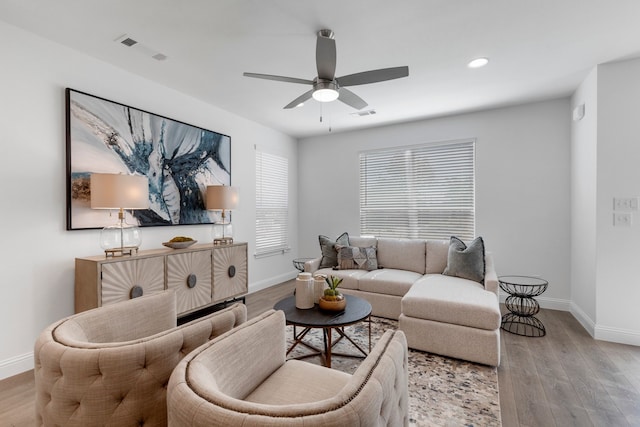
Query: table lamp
x=118 y=191
x=222 y=197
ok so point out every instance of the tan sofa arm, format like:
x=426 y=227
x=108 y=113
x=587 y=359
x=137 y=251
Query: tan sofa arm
x=490 y=275
x=312 y=266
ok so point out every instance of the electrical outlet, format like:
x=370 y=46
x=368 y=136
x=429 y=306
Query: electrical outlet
x=622 y=219
x=625 y=204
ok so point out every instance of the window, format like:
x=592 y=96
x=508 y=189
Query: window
x=272 y=204
x=424 y=191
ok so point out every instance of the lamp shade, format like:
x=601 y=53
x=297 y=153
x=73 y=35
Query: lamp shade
x=114 y=191
x=221 y=197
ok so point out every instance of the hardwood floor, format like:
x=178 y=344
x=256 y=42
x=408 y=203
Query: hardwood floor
x=567 y=378
x=563 y=379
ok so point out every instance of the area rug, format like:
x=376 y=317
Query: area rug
x=442 y=391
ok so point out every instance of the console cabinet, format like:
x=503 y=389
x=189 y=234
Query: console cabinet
x=201 y=275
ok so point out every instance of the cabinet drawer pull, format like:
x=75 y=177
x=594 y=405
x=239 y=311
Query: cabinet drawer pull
x=136 y=292
x=231 y=271
x=191 y=280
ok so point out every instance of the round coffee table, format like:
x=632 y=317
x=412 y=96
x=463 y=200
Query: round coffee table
x=357 y=310
x=522 y=305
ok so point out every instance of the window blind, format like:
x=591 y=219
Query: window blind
x=425 y=191
x=272 y=203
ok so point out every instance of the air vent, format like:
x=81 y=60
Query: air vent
x=364 y=113
x=141 y=48
x=128 y=42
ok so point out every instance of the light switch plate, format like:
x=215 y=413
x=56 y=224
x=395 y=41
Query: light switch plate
x=622 y=219
x=626 y=204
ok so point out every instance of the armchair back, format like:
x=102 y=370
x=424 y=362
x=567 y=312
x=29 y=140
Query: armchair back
x=111 y=365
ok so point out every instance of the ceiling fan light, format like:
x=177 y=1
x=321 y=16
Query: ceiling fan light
x=325 y=95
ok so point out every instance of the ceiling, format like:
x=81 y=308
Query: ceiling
x=538 y=49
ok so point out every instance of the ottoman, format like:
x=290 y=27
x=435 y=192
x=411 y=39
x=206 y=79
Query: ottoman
x=452 y=317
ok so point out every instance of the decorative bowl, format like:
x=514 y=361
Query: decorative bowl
x=179 y=245
x=335 y=305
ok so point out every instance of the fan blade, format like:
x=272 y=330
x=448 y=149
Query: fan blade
x=373 y=76
x=351 y=99
x=302 y=98
x=278 y=78
x=326 y=55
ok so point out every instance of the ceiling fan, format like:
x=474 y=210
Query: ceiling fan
x=326 y=86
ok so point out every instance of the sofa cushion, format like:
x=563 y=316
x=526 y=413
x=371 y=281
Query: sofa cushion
x=349 y=277
x=465 y=261
x=437 y=254
x=452 y=300
x=402 y=254
x=388 y=281
x=289 y=385
x=353 y=257
x=328 y=250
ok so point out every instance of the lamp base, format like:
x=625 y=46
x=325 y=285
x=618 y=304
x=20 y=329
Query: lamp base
x=116 y=252
x=222 y=241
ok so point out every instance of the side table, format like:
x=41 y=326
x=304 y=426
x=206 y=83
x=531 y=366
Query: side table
x=522 y=305
x=298 y=263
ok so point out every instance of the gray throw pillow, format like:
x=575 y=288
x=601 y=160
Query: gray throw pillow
x=329 y=252
x=356 y=258
x=465 y=261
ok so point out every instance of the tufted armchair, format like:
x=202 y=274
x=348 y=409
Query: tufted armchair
x=110 y=365
x=243 y=378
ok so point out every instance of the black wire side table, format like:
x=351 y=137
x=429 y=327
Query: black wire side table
x=522 y=305
x=298 y=263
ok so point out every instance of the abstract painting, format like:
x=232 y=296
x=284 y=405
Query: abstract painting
x=179 y=160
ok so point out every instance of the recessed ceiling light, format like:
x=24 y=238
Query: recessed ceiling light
x=478 y=62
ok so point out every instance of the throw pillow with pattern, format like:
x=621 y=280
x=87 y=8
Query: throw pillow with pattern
x=329 y=252
x=353 y=257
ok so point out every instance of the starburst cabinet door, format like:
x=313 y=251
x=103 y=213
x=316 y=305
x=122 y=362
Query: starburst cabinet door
x=230 y=277
x=132 y=278
x=189 y=274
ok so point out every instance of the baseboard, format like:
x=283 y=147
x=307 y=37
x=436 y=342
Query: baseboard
x=587 y=323
x=548 y=303
x=617 y=335
x=16 y=365
x=267 y=283
x=605 y=333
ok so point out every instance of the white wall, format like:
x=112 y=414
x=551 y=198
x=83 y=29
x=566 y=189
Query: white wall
x=618 y=251
x=584 y=159
x=37 y=252
x=522 y=187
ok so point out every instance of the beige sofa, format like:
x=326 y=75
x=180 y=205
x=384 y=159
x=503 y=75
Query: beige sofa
x=441 y=314
x=212 y=386
x=110 y=365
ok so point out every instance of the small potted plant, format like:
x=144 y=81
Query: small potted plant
x=332 y=299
